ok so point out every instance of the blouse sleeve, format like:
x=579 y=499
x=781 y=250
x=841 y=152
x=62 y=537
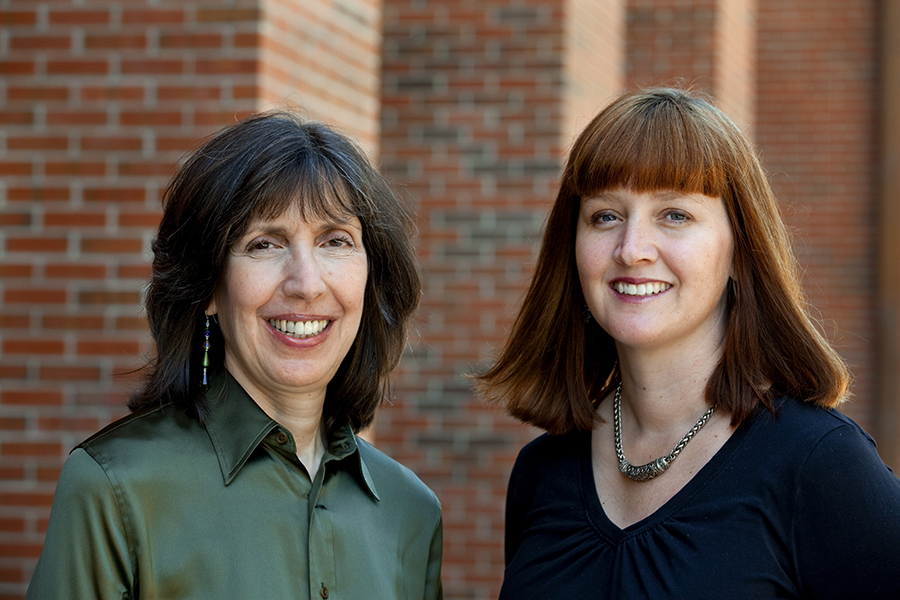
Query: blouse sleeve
x=85 y=554
x=433 y=587
x=846 y=524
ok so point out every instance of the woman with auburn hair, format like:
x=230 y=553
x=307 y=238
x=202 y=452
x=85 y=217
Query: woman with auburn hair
x=693 y=449
x=284 y=280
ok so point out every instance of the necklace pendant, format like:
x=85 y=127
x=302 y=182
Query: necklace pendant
x=644 y=472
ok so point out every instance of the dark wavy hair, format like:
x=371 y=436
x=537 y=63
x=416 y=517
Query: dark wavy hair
x=554 y=367
x=259 y=168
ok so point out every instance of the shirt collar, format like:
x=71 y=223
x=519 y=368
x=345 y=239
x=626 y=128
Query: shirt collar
x=236 y=426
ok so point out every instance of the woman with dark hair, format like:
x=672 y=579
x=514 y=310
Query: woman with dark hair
x=284 y=279
x=693 y=449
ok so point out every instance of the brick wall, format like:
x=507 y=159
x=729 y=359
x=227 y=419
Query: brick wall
x=98 y=101
x=817 y=113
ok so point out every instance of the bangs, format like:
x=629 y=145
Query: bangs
x=318 y=188
x=660 y=142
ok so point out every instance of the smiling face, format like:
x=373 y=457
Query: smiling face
x=654 y=267
x=290 y=302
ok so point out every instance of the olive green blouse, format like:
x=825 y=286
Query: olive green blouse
x=158 y=505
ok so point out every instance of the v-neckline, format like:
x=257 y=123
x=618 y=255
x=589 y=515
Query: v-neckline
x=604 y=525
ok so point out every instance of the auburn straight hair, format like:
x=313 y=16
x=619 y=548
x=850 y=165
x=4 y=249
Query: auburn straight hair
x=554 y=368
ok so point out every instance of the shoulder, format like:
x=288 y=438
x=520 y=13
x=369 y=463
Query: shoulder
x=805 y=426
x=552 y=450
x=395 y=480
x=147 y=436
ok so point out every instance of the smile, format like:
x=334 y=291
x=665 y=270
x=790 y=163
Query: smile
x=299 y=329
x=641 y=289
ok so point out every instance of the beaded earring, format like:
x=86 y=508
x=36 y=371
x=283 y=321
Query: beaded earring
x=205 y=352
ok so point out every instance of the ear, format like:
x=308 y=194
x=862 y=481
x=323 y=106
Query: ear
x=211 y=308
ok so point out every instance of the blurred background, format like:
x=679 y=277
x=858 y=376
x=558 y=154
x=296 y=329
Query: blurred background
x=469 y=106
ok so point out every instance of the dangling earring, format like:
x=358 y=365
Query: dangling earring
x=205 y=352
x=588 y=317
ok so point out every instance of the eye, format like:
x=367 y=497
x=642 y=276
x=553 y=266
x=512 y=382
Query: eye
x=339 y=240
x=677 y=216
x=604 y=218
x=260 y=245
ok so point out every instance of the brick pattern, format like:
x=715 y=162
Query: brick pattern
x=817 y=110
x=471 y=125
x=322 y=57
x=98 y=102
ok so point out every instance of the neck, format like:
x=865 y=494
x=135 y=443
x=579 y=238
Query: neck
x=662 y=392
x=299 y=413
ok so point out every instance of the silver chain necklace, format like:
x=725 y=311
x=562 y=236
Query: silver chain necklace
x=658 y=466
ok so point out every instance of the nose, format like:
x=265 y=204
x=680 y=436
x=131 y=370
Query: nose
x=637 y=243
x=303 y=276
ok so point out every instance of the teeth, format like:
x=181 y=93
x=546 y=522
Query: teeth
x=642 y=289
x=299 y=329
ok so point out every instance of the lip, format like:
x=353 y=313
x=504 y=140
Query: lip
x=300 y=342
x=638 y=281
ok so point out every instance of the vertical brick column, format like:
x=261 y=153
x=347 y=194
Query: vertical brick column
x=98 y=101
x=707 y=45
x=480 y=100
x=817 y=105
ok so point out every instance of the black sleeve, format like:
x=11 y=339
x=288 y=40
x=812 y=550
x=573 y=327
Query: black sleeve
x=846 y=521
x=514 y=512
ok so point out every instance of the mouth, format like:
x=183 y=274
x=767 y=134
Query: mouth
x=299 y=329
x=641 y=289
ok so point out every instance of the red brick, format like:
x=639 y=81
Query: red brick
x=18 y=18
x=153 y=17
x=17 y=219
x=31 y=449
x=31 y=345
x=74 y=219
x=18 y=43
x=227 y=67
x=37 y=194
x=114 y=195
x=102 y=297
x=42 y=93
x=68 y=424
x=107 y=143
x=37 y=142
x=191 y=40
x=72 y=322
x=76 y=118
x=11 y=372
x=124 y=93
x=69 y=374
x=144 y=118
x=146 y=169
x=36 y=244
x=10 y=68
x=19 y=550
x=147 y=66
x=147 y=220
x=108 y=347
x=11 y=320
x=34 y=296
x=75 y=169
x=228 y=15
x=31 y=397
x=74 y=271
x=15 y=169
x=185 y=93
x=111 y=245
x=131 y=324
x=77 y=67
x=133 y=41
x=59 y=16
x=13 y=270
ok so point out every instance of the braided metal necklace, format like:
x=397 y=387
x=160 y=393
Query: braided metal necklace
x=658 y=466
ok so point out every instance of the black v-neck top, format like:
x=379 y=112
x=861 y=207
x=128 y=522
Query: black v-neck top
x=794 y=506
